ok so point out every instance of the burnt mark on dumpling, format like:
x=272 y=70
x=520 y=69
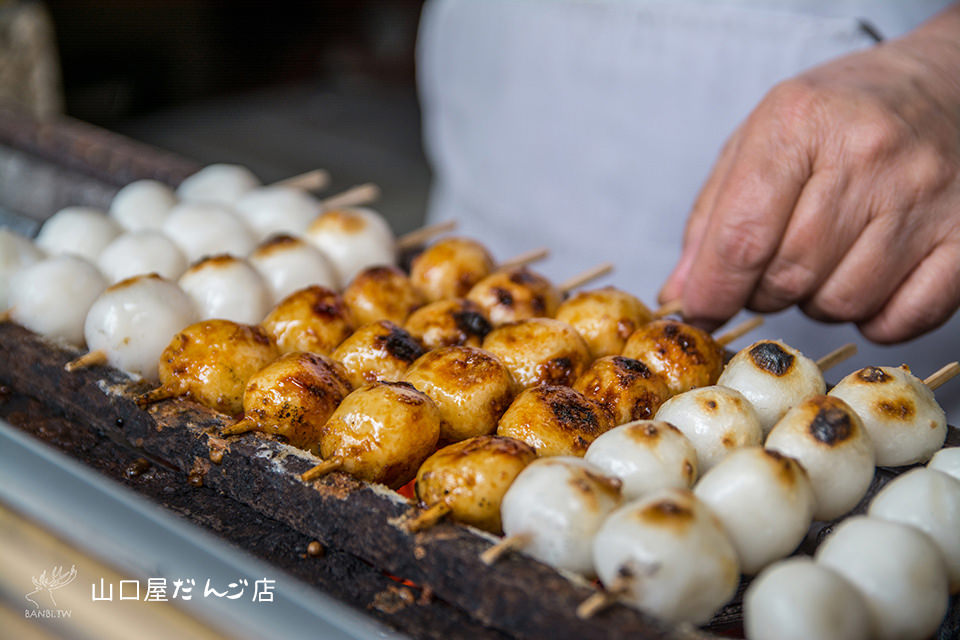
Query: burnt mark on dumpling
x=472 y=323
x=401 y=345
x=872 y=375
x=571 y=410
x=772 y=358
x=831 y=426
x=504 y=296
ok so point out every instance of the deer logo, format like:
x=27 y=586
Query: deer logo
x=57 y=579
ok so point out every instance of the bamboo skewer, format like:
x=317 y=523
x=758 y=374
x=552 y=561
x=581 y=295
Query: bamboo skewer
x=241 y=426
x=508 y=543
x=427 y=517
x=587 y=276
x=525 y=258
x=360 y=194
x=738 y=331
x=156 y=395
x=600 y=600
x=837 y=356
x=674 y=307
x=423 y=234
x=938 y=378
x=315 y=180
x=89 y=359
x=321 y=469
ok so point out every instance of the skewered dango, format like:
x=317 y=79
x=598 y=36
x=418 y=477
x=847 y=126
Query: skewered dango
x=825 y=435
x=539 y=351
x=132 y=322
x=667 y=554
x=450 y=268
x=140 y=252
x=928 y=500
x=353 y=239
x=227 y=287
x=898 y=570
x=218 y=184
x=552 y=511
x=293 y=397
x=51 y=297
x=685 y=356
x=645 y=455
x=899 y=412
x=605 y=318
x=449 y=323
x=799 y=599
x=468 y=480
x=381 y=432
x=554 y=420
x=211 y=361
x=773 y=376
x=514 y=294
x=142 y=205
x=16 y=252
x=206 y=229
x=79 y=231
x=277 y=209
x=946 y=460
x=764 y=500
x=377 y=351
x=470 y=386
x=289 y=264
x=715 y=419
x=381 y=293
x=312 y=319
x=625 y=387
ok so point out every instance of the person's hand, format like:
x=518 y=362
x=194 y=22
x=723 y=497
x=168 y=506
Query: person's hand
x=840 y=193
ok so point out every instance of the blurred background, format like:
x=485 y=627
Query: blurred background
x=281 y=88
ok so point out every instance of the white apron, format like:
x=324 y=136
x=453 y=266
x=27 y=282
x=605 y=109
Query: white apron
x=588 y=126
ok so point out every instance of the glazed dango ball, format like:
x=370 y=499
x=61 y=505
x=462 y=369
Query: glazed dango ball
x=381 y=293
x=353 y=239
x=667 y=555
x=220 y=183
x=141 y=252
x=227 y=287
x=765 y=502
x=605 y=318
x=558 y=504
x=382 y=432
x=715 y=419
x=79 y=231
x=514 y=294
x=799 y=599
x=898 y=570
x=472 y=476
x=211 y=361
x=773 y=377
x=142 y=205
x=311 y=319
x=377 y=351
x=448 y=323
x=470 y=386
x=289 y=264
x=133 y=321
x=51 y=297
x=294 y=396
x=645 y=455
x=825 y=435
x=539 y=351
x=899 y=412
x=685 y=356
x=625 y=387
x=554 y=420
x=450 y=267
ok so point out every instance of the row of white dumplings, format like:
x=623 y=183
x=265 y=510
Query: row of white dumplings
x=679 y=554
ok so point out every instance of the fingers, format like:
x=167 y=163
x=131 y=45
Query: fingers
x=925 y=300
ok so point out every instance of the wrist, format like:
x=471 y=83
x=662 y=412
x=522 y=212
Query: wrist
x=933 y=51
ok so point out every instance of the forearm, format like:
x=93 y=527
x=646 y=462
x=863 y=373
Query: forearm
x=935 y=45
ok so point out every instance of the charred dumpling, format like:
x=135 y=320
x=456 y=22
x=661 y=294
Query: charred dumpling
x=685 y=356
x=381 y=293
x=515 y=294
x=312 y=319
x=448 y=323
x=539 y=351
x=554 y=420
x=450 y=268
x=605 y=318
x=377 y=351
x=625 y=387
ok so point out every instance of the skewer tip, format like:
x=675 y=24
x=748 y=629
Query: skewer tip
x=589 y=275
x=942 y=375
x=740 y=330
x=672 y=308
x=494 y=553
x=89 y=359
x=426 y=518
x=240 y=426
x=321 y=469
x=837 y=356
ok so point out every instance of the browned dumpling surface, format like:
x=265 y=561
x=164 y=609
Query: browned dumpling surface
x=472 y=476
x=450 y=267
x=382 y=432
x=605 y=318
x=686 y=357
x=377 y=351
x=471 y=387
x=625 y=387
x=554 y=420
x=515 y=294
x=539 y=351
x=447 y=323
x=381 y=293
x=312 y=319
